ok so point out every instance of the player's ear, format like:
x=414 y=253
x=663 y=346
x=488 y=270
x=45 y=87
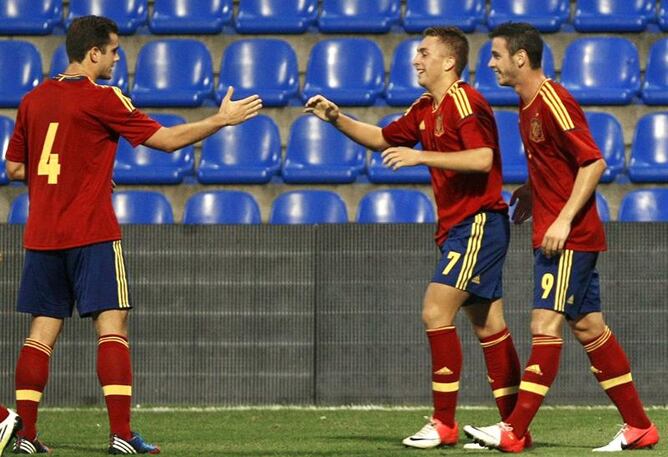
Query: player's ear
x=521 y=58
x=94 y=54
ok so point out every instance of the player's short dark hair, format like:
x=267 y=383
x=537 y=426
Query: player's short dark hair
x=520 y=35
x=86 y=33
x=455 y=39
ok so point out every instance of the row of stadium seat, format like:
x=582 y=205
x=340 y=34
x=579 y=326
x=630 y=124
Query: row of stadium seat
x=316 y=152
x=322 y=207
x=40 y=17
x=179 y=72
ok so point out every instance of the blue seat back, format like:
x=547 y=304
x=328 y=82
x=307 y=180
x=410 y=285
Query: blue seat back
x=276 y=16
x=127 y=14
x=221 y=207
x=173 y=72
x=395 y=206
x=545 y=15
x=6 y=130
x=192 y=16
x=18 y=210
x=309 y=207
x=465 y=14
x=609 y=137
x=358 y=16
x=513 y=159
x=144 y=165
x=142 y=207
x=646 y=205
x=348 y=71
x=655 y=87
x=663 y=15
x=649 y=149
x=26 y=64
x=30 y=17
x=602 y=207
x=119 y=77
x=267 y=67
x=485 y=78
x=613 y=15
x=585 y=71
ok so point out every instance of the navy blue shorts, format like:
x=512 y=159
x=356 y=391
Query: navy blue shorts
x=473 y=255
x=568 y=283
x=92 y=277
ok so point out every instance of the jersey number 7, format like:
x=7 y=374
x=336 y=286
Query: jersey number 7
x=48 y=163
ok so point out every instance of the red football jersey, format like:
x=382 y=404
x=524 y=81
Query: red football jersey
x=463 y=120
x=557 y=142
x=66 y=134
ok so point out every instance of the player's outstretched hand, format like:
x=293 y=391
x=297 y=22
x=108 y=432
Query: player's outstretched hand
x=399 y=157
x=522 y=196
x=322 y=108
x=235 y=112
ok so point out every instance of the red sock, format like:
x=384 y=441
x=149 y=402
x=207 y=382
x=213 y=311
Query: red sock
x=32 y=374
x=3 y=413
x=503 y=370
x=446 y=366
x=538 y=376
x=114 y=370
x=613 y=372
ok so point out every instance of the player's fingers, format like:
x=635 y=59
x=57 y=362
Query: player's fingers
x=313 y=101
x=228 y=95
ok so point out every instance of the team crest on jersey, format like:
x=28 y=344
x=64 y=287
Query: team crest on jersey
x=438 y=125
x=536 y=131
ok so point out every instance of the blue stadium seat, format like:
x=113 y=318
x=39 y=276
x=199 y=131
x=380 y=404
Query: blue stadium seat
x=649 y=150
x=30 y=17
x=308 y=207
x=18 y=210
x=395 y=206
x=276 y=16
x=193 y=16
x=587 y=75
x=655 y=88
x=26 y=65
x=545 y=15
x=248 y=153
x=465 y=14
x=602 y=207
x=485 y=78
x=119 y=77
x=318 y=153
x=267 y=67
x=348 y=71
x=358 y=16
x=174 y=72
x=380 y=174
x=403 y=88
x=221 y=207
x=6 y=130
x=613 y=15
x=143 y=165
x=142 y=207
x=127 y=14
x=513 y=159
x=608 y=135
x=646 y=205
x=663 y=15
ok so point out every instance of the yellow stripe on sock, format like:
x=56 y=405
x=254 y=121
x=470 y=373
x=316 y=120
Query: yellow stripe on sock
x=610 y=383
x=534 y=388
x=116 y=389
x=445 y=386
x=504 y=391
x=28 y=395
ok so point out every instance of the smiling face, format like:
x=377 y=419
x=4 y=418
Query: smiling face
x=107 y=59
x=504 y=64
x=431 y=62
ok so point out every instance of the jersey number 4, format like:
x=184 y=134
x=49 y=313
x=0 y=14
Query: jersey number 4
x=48 y=162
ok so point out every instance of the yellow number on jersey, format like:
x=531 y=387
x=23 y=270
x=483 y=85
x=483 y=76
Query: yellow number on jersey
x=454 y=257
x=48 y=163
x=547 y=281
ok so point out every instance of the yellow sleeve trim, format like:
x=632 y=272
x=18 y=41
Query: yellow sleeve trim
x=557 y=107
x=114 y=389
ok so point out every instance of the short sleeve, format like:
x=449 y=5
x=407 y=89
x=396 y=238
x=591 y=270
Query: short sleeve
x=404 y=131
x=119 y=115
x=477 y=131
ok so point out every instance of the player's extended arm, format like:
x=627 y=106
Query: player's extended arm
x=230 y=113
x=478 y=160
x=16 y=171
x=585 y=184
x=365 y=134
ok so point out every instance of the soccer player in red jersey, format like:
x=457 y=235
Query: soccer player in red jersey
x=565 y=166
x=456 y=127
x=63 y=146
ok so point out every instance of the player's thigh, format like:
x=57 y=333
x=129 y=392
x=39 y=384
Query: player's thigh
x=441 y=304
x=45 y=288
x=473 y=255
x=99 y=274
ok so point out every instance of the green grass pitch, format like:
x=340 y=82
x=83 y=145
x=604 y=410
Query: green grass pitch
x=324 y=432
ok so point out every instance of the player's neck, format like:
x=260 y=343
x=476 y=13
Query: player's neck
x=442 y=86
x=76 y=68
x=528 y=86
